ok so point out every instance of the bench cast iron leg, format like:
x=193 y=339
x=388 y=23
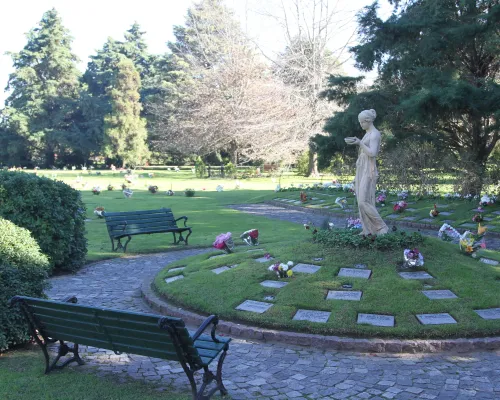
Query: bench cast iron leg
x=187 y=237
x=119 y=244
x=175 y=238
x=62 y=351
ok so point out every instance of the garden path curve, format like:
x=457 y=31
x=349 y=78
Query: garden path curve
x=255 y=370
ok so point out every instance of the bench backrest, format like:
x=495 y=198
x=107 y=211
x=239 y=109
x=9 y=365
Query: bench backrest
x=136 y=222
x=116 y=330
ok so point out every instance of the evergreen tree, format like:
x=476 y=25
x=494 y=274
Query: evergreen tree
x=125 y=130
x=439 y=70
x=44 y=90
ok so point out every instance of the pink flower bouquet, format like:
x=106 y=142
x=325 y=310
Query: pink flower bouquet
x=224 y=242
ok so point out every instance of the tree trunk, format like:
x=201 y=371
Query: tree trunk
x=313 y=163
x=233 y=152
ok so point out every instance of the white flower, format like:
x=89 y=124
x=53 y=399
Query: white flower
x=290 y=263
x=271 y=268
x=277 y=189
x=220 y=188
x=284 y=267
x=330 y=224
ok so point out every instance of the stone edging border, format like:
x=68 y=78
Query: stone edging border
x=320 y=211
x=318 y=341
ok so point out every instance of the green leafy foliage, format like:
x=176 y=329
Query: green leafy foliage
x=351 y=238
x=23 y=271
x=200 y=167
x=189 y=192
x=51 y=210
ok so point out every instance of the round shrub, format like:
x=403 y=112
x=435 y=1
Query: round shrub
x=23 y=271
x=189 y=192
x=52 y=211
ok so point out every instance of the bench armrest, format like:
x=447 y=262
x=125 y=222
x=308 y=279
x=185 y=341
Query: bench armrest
x=213 y=319
x=185 y=219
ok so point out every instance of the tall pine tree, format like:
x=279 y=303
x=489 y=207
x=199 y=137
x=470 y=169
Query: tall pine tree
x=44 y=90
x=125 y=130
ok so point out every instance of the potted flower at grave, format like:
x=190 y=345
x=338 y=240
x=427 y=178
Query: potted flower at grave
x=128 y=193
x=469 y=243
x=477 y=218
x=250 y=237
x=282 y=270
x=434 y=212
x=220 y=188
x=400 y=206
x=303 y=197
x=381 y=198
x=96 y=190
x=485 y=201
x=224 y=242
x=341 y=201
x=413 y=258
x=111 y=187
x=170 y=192
x=153 y=189
x=353 y=223
x=448 y=233
x=99 y=211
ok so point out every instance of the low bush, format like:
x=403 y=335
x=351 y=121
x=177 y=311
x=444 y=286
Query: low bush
x=51 y=210
x=23 y=271
x=352 y=238
x=189 y=192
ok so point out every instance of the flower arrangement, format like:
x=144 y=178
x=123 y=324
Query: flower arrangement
x=170 y=192
x=220 y=188
x=153 y=189
x=128 y=193
x=400 y=206
x=354 y=223
x=413 y=258
x=99 y=211
x=469 y=243
x=477 y=218
x=281 y=269
x=250 y=237
x=448 y=233
x=189 y=192
x=224 y=242
x=124 y=186
x=348 y=187
x=381 y=198
x=111 y=187
x=403 y=195
x=486 y=200
x=303 y=197
x=96 y=190
x=341 y=201
x=434 y=212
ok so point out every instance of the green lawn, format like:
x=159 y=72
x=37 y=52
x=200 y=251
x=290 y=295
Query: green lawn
x=476 y=284
x=22 y=377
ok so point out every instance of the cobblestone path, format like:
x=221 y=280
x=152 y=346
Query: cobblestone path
x=254 y=370
x=302 y=217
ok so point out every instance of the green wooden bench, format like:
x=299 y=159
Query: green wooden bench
x=121 y=331
x=130 y=223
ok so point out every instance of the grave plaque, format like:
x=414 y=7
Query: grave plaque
x=249 y=251
x=436 y=319
x=254 y=306
x=445 y=213
x=488 y=219
x=313 y=316
x=376 y=319
x=344 y=295
x=427 y=220
x=411 y=209
x=415 y=275
x=488 y=261
x=306 y=268
x=468 y=225
x=393 y=216
x=496 y=212
x=176 y=269
x=263 y=259
x=217 y=256
x=490 y=313
x=220 y=270
x=360 y=266
x=355 y=273
x=409 y=218
x=439 y=294
x=274 y=284
x=174 y=278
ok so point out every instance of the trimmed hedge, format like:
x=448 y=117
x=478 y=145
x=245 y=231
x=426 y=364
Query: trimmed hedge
x=52 y=211
x=23 y=271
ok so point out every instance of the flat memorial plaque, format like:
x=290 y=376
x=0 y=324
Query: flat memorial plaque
x=488 y=261
x=445 y=213
x=393 y=216
x=174 y=278
x=254 y=306
x=217 y=256
x=274 y=284
x=344 y=295
x=311 y=315
x=263 y=259
x=306 y=268
x=249 y=251
x=176 y=269
x=376 y=319
x=220 y=270
x=415 y=275
x=360 y=266
x=409 y=218
x=488 y=219
x=411 y=209
x=355 y=273
x=439 y=294
x=496 y=212
x=468 y=225
x=436 y=319
x=427 y=220
x=490 y=313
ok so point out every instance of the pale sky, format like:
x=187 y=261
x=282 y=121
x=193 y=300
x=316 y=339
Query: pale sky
x=91 y=22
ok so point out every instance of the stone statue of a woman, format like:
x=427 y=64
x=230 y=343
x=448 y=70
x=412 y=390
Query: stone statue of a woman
x=366 y=174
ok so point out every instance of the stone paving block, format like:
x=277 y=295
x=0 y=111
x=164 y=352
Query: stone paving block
x=174 y=278
x=436 y=319
x=254 y=306
x=306 y=268
x=311 y=315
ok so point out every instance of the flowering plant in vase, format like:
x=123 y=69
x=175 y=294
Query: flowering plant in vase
x=434 y=212
x=99 y=211
x=469 y=243
x=400 y=206
x=303 y=197
x=128 y=193
x=448 y=233
x=354 y=223
x=96 y=190
x=341 y=201
x=111 y=187
x=153 y=189
x=220 y=188
x=170 y=192
x=486 y=201
x=281 y=269
x=381 y=198
x=224 y=242
x=250 y=237
x=477 y=218
x=413 y=258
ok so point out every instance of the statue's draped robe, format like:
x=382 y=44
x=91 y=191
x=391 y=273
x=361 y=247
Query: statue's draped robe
x=366 y=183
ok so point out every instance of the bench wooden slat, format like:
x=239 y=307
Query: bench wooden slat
x=141 y=226
x=149 y=218
x=145 y=231
x=126 y=213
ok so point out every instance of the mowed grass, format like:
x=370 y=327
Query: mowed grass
x=22 y=377
x=477 y=286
